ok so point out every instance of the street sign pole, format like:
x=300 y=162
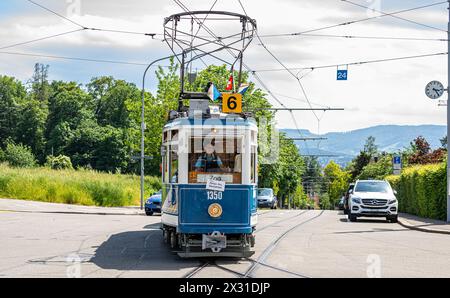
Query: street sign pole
x=448 y=122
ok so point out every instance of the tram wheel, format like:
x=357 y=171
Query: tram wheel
x=166 y=236
x=173 y=239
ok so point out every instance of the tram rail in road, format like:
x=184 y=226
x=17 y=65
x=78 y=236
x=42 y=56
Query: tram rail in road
x=263 y=256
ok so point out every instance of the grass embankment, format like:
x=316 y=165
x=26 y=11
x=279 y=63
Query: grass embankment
x=82 y=187
x=422 y=190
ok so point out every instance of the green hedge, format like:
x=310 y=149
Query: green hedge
x=422 y=190
x=82 y=187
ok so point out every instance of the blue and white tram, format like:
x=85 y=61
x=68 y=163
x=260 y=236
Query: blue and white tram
x=209 y=173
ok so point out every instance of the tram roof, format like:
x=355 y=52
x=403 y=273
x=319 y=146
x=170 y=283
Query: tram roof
x=225 y=121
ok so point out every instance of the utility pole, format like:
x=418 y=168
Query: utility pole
x=448 y=119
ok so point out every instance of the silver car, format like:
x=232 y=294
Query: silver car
x=266 y=198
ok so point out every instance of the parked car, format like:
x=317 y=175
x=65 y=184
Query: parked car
x=266 y=198
x=347 y=196
x=340 y=205
x=373 y=198
x=153 y=204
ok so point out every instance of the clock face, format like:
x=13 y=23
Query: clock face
x=434 y=90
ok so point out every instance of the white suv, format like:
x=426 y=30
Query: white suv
x=373 y=198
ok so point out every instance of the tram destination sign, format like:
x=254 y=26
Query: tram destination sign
x=215 y=185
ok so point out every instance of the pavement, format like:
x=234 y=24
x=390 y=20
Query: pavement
x=296 y=243
x=43 y=207
x=424 y=224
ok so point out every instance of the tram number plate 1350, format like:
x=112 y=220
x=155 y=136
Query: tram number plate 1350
x=215 y=195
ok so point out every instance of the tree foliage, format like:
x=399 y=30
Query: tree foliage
x=422 y=153
x=337 y=182
x=98 y=125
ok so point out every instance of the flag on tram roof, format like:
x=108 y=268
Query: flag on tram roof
x=230 y=83
x=213 y=92
x=243 y=88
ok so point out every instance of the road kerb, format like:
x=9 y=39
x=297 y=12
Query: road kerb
x=404 y=223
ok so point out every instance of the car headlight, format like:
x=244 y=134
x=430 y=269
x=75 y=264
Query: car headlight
x=393 y=201
x=356 y=200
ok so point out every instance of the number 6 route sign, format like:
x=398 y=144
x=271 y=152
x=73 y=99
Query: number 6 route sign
x=232 y=103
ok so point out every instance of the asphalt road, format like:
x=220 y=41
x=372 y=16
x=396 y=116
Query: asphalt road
x=288 y=244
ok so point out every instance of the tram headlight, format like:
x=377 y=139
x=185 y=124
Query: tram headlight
x=215 y=210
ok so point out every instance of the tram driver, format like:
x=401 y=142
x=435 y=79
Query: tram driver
x=209 y=161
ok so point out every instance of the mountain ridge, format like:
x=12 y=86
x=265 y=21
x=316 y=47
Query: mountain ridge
x=388 y=138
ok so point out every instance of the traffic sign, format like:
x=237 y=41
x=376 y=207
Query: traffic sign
x=397 y=164
x=342 y=74
x=232 y=103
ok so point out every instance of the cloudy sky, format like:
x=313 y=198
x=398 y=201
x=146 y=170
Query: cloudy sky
x=375 y=94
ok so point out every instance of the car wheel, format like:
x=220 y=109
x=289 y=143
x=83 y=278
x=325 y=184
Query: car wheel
x=149 y=213
x=352 y=218
x=393 y=219
x=345 y=211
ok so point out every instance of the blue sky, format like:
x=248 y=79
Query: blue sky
x=388 y=93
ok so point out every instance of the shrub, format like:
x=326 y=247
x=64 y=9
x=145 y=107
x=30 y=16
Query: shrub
x=60 y=162
x=18 y=155
x=422 y=190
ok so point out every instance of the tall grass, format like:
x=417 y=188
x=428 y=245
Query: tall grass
x=82 y=187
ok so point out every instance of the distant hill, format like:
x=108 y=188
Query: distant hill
x=389 y=138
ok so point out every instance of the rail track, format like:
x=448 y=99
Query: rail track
x=260 y=261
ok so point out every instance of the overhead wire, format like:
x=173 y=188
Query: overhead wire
x=92 y=28
x=355 y=63
x=77 y=59
x=397 y=17
x=40 y=39
x=281 y=63
x=274 y=35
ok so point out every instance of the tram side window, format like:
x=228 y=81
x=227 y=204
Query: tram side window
x=173 y=160
x=254 y=173
x=165 y=165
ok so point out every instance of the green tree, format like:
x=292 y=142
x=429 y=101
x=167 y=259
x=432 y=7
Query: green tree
x=12 y=96
x=291 y=168
x=69 y=106
x=337 y=179
x=378 y=170
x=444 y=142
x=40 y=87
x=156 y=110
x=370 y=147
x=31 y=126
x=312 y=177
x=363 y=158
x=110 y=99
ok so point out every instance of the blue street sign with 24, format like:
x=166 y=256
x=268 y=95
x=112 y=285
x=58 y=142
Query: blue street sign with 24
x=342 y=74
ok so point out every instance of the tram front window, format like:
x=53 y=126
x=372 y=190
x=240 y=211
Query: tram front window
x=218 y=159
x=209 y=161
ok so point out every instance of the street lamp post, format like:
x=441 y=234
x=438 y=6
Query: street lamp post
x=448 y=122
x=143 y=124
